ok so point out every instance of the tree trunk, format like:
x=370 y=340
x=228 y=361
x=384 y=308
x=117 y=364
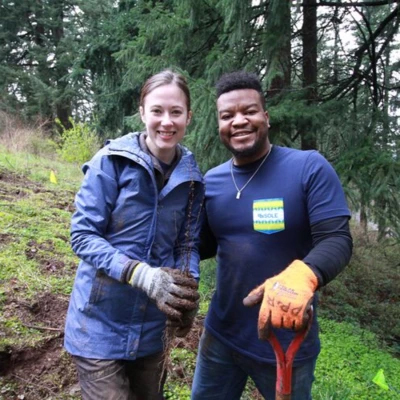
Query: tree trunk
x=280 y=78
x=364 y=221
x=307 y=132
x=63 y=102
x=278 y=55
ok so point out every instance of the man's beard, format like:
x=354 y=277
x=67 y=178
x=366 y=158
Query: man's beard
x=257 y=148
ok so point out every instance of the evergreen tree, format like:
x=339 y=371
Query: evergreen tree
x=89 y=58
x=36 y=53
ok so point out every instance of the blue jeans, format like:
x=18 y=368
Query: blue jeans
x=221 y=374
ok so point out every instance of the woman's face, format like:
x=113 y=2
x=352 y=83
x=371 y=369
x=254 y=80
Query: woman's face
x=166 y=116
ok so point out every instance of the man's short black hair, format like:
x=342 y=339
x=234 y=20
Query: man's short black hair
x=239 y=80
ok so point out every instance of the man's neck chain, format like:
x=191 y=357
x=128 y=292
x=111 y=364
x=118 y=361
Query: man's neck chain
x=239 y=191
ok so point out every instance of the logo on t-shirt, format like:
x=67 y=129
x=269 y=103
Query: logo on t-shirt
x=268 y=215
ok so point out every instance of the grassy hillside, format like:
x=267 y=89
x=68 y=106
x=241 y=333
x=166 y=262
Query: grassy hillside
x=37 y=268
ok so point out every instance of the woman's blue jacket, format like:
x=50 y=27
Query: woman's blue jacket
x=121 y=216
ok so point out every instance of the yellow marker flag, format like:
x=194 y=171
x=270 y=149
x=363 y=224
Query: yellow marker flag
x=53 y=178
x=379 y=379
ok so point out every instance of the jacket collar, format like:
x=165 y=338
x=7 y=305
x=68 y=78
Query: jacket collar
x=129 y=146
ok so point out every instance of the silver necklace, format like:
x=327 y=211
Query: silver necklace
x=239 y=191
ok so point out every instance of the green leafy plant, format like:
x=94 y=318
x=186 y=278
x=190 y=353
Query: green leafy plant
x=366 y=292
x=79 y=143
x=42 y=146
x=349 y=360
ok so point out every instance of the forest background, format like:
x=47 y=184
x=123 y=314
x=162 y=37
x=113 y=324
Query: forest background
x=71 y=71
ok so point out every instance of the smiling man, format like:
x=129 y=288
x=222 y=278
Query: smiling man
x=243 y=125
x=277 y=220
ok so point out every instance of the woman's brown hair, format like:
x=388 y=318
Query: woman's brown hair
x=165 y=77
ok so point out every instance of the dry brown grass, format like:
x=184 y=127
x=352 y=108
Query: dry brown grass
x=17 y=136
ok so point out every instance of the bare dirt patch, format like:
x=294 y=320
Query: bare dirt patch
x=47 y=310
x=45 y=370
x=5 y=238
x=12 y=184
x=44 y=254
x=42 y=370
x=65 y=205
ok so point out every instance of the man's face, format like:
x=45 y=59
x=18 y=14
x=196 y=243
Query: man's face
x=243 y=125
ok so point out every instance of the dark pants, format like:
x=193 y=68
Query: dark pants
x=121 y=380
x=221 y=374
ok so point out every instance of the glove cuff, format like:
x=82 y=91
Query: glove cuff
x=142 y=276
x=298 y=270
x=128 y=269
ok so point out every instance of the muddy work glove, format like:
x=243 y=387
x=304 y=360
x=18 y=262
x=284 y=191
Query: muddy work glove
x=173 y=291
x=182 y=326
x=285 y=298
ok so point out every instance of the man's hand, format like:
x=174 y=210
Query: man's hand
x=285 y=298
x=173 y=291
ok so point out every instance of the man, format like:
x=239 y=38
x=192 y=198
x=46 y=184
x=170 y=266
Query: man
x=277 y=220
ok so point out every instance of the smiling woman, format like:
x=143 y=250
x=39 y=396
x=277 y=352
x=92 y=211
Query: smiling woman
x=165 y=113
x=136 y=229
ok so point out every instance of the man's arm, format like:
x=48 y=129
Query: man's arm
x=208 y=243
x=332 y=248
x=286 y=297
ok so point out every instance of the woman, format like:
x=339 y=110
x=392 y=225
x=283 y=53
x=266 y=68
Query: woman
x=135 y=229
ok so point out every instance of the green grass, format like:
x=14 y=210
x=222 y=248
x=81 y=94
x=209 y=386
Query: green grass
x=349 y=360
x=37 y=232
x=34 y=226
x=38 y=169
x=34 y=232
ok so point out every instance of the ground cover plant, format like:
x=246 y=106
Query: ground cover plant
x=367 y=292
x=359 y=328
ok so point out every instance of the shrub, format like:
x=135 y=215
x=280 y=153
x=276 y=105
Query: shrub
x=79 y=143
x=43 y=147
x=366 y=292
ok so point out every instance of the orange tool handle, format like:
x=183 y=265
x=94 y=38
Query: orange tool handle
x=285 y=360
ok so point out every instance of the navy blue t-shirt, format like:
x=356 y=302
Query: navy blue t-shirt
x=261 y=233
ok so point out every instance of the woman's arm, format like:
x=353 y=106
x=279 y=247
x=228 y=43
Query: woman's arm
x=94 y=203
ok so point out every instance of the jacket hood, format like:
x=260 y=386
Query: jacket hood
x=128 y=146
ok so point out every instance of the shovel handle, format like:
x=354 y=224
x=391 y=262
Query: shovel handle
x=284 y=360
x=281 y=396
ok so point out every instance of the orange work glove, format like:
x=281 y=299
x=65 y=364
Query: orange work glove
x=285 y=298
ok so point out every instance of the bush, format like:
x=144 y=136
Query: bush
x=43 y=147
x=79 y=143
x=366 y=292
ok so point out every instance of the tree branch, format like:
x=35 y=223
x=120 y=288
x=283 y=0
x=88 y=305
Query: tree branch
x=378 y=31
x=357 y=76
x=42 y=328
x=353 y=4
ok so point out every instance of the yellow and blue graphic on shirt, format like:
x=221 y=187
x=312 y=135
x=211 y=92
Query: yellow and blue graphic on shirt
x=268 y=215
